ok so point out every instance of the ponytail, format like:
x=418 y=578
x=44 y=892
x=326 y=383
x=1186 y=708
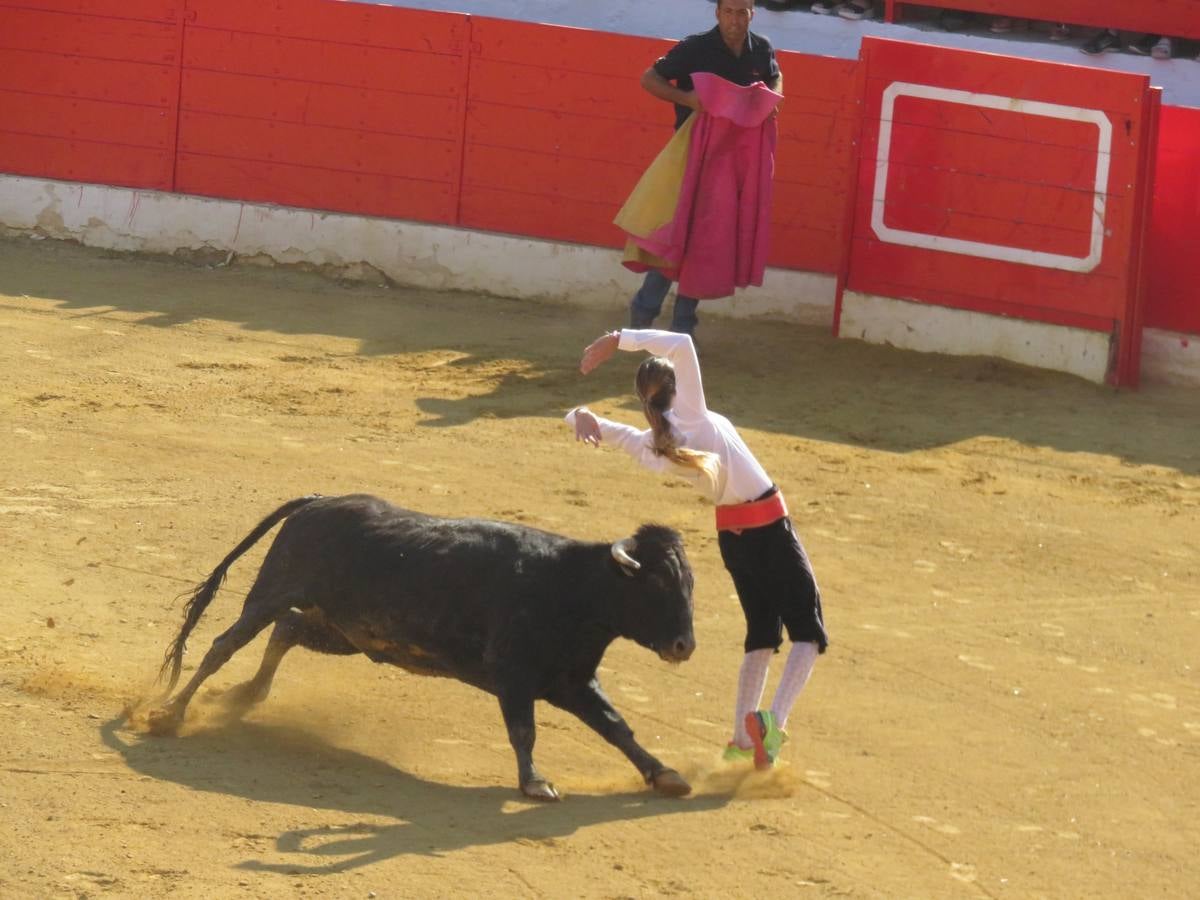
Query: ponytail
x=656 y=388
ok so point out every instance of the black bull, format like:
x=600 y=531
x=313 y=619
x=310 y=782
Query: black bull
x=522 y=614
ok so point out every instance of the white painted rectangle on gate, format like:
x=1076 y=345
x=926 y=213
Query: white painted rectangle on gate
x=1022 y=255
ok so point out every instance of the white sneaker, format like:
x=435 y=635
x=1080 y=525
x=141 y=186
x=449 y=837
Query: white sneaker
x=1162 y=48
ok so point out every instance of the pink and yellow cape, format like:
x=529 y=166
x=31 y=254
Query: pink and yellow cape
x=700 y=213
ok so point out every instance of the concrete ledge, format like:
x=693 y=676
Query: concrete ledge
x=939 y=329
x=360 y=247
x=1169 y=357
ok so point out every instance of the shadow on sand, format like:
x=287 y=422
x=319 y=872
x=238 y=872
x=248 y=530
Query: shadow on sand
x=287 y=765
x=773 y=377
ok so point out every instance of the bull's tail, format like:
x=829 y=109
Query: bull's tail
x=207 y=589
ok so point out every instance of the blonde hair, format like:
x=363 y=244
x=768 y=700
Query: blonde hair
x=655 y=385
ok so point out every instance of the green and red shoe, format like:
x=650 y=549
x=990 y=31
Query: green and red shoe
x=766 y=736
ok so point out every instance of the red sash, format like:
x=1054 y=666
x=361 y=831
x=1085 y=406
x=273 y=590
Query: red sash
x=754 y=514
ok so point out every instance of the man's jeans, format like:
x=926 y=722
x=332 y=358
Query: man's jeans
x=647 y=303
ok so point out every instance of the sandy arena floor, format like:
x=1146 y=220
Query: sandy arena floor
x=1010 y=561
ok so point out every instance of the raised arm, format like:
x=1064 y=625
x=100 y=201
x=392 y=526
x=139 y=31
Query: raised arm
x=689 y=402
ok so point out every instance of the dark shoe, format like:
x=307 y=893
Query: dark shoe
x=1105 y=42
x=953 y=20
x=1143 y=45
x=856 y=10
x=1060 y=31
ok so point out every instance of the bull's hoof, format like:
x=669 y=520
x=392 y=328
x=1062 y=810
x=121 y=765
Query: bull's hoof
x=670 y=783
x=539 y=789
x=163 y=721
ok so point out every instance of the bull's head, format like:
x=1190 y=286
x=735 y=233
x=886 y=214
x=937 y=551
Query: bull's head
x=657 y=610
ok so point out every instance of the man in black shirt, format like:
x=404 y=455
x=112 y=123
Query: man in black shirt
x=733 y=52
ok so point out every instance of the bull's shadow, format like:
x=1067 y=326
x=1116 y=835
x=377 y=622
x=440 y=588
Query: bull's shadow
x=281 y=764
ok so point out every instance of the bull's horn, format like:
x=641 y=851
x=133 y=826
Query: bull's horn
x=620 y=552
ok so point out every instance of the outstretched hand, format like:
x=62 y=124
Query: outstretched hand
x=587 y=429
x=599 y=351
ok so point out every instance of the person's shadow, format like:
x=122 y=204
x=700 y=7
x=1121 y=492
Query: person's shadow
x=282 y=764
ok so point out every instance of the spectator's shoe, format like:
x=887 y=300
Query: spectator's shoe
x=953 y=20
x=857 y=9
x=734 y=753
x=1060 y=32
x=1001 y=25
x=1162 y=49
x=825 y=7
x=766 y=736
x=1143 y=45
x=1105 y=42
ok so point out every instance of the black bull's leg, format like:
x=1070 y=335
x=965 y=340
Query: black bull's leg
x=292 y=629
x=517 y=708
x=588 y=702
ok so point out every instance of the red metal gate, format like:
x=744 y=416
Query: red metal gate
x=1003 y=186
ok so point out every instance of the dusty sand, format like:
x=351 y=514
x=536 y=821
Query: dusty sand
x=1010 y=561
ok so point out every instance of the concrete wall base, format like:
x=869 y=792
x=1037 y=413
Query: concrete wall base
x=360 y=247
x=939 y=329
x=1169 y=357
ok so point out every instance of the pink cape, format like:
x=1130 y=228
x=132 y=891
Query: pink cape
x=714 y=237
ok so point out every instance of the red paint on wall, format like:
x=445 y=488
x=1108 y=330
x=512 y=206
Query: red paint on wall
x=337 y=106
x=88 y=92
x=977 y=174
x=961 y=169
x=1174 y=245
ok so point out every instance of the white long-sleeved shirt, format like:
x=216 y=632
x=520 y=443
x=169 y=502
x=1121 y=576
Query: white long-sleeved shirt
x=741 y=478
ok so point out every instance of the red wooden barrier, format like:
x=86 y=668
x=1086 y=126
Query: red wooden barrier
x=1176 y=18
x=89 y=89
x=1172 y=258
x=557 y=135
x=539 y=130
x=557 y=130
x=814 y=163
x=1022 y=201
x=338 y=106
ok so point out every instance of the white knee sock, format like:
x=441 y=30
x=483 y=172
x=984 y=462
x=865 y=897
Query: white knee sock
x=751 y=681
x=799 y=666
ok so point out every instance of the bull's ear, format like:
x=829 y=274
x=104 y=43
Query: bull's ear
x=621 y=553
